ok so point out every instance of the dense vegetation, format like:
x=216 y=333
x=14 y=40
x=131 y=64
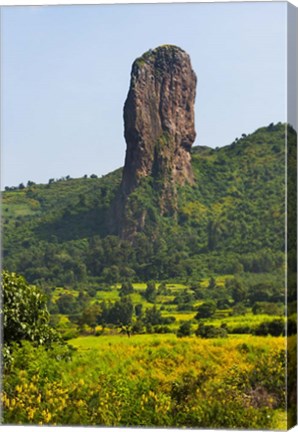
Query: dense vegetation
x=150 y=381
x=183 y=326
x=200 y=379
x=231 y=220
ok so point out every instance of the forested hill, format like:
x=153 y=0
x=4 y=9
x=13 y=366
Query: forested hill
x=230 y=220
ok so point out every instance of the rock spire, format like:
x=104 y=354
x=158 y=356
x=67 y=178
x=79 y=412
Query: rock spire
x=159 y=121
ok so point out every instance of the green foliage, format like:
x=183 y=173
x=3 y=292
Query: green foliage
x=67 y=304
x=150 y=293
x=153 y=316
x=210 y=331
x=126 y=289
x=141 y=381
x=184 y=329
x=229 y=222
x=273 y=328
x=184 y=300
x=238 y=289
x=25 y=315
x=206 y=310
x=268 y=308
x=121 y=311
x=91 y=315
x=239 y=309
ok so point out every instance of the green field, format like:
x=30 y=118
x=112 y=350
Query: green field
x=169 y=308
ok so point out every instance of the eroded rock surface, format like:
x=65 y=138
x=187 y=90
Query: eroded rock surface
x=159 y=121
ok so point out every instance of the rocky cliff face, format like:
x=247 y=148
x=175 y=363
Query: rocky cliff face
x=159 y=121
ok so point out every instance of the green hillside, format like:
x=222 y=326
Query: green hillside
x=230 y=221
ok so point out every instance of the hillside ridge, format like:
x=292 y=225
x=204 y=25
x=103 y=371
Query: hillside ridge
x=232 y=217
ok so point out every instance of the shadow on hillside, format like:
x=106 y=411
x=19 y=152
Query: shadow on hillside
x=73 y=226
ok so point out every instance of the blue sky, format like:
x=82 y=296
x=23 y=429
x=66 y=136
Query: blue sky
x=66 y=70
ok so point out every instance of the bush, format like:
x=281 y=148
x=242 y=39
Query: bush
x=273 y=328
x=245 y=329
x=210 y=332
x=184 y=329
x=163 y=329
x=206 y=310
x=239 y=309
x=168 y=320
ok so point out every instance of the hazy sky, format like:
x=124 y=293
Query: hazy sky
x=66 y=71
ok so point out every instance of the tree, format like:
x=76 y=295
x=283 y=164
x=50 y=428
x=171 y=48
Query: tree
x=206 y=310
x=274 y=328
x=126 y=289
x=153 y=316
x=139 y=309
x=223 y=303
x=121 y=312
x=150 y=292
x=184 y=329
x=111 y=274
x=268 y=308
x=238 y=290
x=260 y=293
x=239 y=309
x=210 y=331
x=83 y=299
x=184 y=297
x=90 y=315
x=212 y=283
x=162 y=289
x=67 y=304
x=25 y=315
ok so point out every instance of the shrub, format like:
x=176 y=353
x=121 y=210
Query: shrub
x=239 y=309
x=206 y=310
x=162 y=329
x=273 y=328
x=184 y=329
x=245 y=329
x=210 y=331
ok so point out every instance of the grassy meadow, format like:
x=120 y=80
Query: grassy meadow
x=151 y=380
